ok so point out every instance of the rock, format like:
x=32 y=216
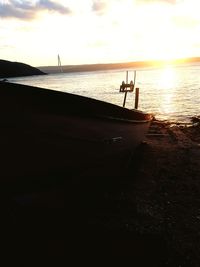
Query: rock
x=16 y=69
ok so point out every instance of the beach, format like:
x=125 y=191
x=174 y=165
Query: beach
x=148 y=215
x=166 y=192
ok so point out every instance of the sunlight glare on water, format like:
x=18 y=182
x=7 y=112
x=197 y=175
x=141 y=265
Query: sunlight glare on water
x=167 y=78
x=167 y=83
x=170 y=93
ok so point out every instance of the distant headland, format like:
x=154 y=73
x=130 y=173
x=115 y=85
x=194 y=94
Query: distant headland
x=111 y=66
x=16 y=69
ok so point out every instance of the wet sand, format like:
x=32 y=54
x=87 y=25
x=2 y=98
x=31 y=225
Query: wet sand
x=148 y=215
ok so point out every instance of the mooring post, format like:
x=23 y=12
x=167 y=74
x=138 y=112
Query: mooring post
x=126 y=91
x=134 y=78
x=136 y=97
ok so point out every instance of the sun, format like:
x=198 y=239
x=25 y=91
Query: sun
x=167 y=78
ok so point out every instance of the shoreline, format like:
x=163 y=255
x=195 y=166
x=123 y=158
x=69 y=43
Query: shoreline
x=118 y=65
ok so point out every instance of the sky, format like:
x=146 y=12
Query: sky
x=98 y=31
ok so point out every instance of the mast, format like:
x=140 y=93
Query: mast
x=59 y=64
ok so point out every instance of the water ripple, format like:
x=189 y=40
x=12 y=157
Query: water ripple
x=171 y=93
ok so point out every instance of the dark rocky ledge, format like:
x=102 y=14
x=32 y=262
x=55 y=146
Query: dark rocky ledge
x=17 y=69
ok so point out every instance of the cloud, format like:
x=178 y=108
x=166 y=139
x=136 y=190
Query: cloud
x=99 y=6
x=52 y=6
x=16 y=10
x=27 y=10
x=173 y=2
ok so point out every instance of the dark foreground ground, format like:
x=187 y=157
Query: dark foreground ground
x=149 y=215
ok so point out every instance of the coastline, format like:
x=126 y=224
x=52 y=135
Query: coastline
x=119 y=65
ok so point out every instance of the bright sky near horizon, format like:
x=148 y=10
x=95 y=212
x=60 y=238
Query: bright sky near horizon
x=98 y=31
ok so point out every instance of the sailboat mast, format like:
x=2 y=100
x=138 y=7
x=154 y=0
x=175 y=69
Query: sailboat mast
x=59 y=64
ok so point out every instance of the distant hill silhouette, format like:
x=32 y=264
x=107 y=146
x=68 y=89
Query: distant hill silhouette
x=110 y=66
x=15 y=69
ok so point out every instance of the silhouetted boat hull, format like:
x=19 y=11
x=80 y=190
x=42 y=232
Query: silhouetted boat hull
x=45 y=132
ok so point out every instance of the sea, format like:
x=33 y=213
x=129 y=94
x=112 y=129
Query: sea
x=170 y=93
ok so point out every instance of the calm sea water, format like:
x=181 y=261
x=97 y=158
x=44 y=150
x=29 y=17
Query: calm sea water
x=170 y=93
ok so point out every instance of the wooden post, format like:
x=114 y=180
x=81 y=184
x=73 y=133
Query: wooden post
x=125 y=92
x=136 y=97
x=134 y=78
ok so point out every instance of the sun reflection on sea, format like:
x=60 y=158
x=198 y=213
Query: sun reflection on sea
x=167 y=78
x=167 y=83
